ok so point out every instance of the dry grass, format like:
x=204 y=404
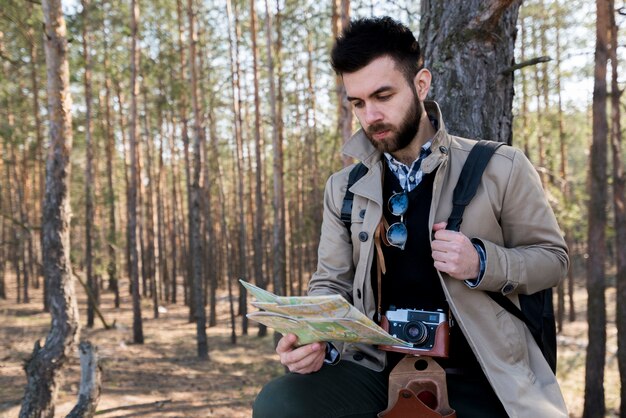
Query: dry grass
x=163 y=377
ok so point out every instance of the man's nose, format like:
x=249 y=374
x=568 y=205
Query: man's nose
x=372 y=114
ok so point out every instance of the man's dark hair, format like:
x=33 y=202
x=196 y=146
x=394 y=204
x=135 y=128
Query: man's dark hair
x=365 y=40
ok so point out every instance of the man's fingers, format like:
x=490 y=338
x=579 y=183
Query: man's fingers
x=311 y=361
x=286 y=343
x=301 y=357
x=439 y=226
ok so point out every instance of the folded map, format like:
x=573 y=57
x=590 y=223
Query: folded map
x=317 y=318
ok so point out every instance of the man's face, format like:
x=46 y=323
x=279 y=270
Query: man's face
x=385 y=103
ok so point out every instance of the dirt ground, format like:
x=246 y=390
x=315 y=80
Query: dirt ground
x=163 y=377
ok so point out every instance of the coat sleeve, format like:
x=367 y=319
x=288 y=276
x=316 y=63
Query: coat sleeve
x=533 y=255
x=335 y=268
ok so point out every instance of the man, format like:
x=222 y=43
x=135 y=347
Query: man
x=509 y=242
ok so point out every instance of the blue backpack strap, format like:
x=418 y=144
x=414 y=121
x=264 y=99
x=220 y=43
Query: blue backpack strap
x=356 y=173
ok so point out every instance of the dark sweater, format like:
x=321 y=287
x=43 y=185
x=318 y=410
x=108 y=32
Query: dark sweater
x=411 y=280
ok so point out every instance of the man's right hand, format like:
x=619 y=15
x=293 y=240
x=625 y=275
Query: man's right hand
x=305 y=359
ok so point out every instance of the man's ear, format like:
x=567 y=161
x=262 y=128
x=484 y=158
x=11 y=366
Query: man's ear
x=422 y=83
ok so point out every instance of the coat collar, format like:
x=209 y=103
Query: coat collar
x=360 y=148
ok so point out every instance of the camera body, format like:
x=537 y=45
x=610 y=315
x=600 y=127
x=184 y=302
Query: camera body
x=428 y=331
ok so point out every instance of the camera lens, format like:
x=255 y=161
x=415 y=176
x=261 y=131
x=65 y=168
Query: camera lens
x=416 y=332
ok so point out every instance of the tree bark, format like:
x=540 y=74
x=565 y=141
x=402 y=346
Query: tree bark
x=471 y=44
x=339 y=20
x=278 y=203
x=89 y=218
x=239 y=164
x=134 y=178
x=90 y=382
x=619 y=208
x=596 y=237
x=195 y=241
x=111 y=198
x=259 y=213
x=45 y=364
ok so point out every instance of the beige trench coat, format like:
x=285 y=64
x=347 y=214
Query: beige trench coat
x=525 y=253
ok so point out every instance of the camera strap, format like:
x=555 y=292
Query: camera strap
x=380 y=265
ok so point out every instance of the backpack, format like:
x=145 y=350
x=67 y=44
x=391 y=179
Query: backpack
x=536 y=310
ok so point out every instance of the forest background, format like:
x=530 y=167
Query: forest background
x=246 y=132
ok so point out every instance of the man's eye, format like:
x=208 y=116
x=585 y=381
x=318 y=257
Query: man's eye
x=357 y=105
x=384 y=98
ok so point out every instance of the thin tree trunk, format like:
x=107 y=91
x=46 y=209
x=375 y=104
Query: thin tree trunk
x=45 y=364
x=151 y=237
x=234 y=60
x=314 y=198
x=619 y=207
x=89 y=218
x=134 y=177
x=560 y=314
x=163 y=271
x=596 y=304
x=339 y=20
x=278 y=238
x=185 y=137
x=111 y=199
x=195 y=241
x=213 y=164
x=259 y=274
x=126 y=145
x=90 y=382
x=19 y=232
x=39 y=172
x=174 y=224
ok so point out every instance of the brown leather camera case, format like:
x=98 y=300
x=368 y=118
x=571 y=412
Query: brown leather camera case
x=417 y=389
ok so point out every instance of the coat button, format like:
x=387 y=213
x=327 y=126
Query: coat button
x=443 y=149
x=358 y=356
x=362 y=214
x=508 y=288
x=363 y=236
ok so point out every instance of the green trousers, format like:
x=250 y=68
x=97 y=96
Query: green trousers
x=348 y=390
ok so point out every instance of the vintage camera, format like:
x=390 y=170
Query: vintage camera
x=428 y=331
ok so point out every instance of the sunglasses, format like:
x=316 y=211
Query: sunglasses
x=397 y=233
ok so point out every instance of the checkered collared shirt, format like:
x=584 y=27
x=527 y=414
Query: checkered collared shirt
x=409 y=177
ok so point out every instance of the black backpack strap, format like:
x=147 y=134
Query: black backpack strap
x=469 y=179
x=356 y=173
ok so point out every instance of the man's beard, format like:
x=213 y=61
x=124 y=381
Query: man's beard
x=400 y=136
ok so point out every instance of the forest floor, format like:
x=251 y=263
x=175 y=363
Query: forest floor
x=164 y=378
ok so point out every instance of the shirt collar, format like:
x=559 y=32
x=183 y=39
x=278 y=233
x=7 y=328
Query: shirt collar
x=395 y=165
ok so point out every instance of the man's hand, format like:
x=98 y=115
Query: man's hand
x=454 y=253
x=305 y=359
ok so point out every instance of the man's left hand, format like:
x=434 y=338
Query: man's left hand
x=454 y=253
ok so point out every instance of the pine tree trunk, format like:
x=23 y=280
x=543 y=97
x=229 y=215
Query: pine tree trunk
x=39 y=172
x=471 y=44
x=134 y=178
x=195 y=241
x=163 y=270
x=90 y=382
x=89 y=218
x=239 y=164
x=45 y=364
x=619 y=208
x=565 y=185
x=541 y=109
x=596 y=305
x=259 y=213
x=111 y=198
x=151 y=237
x=278 y=238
